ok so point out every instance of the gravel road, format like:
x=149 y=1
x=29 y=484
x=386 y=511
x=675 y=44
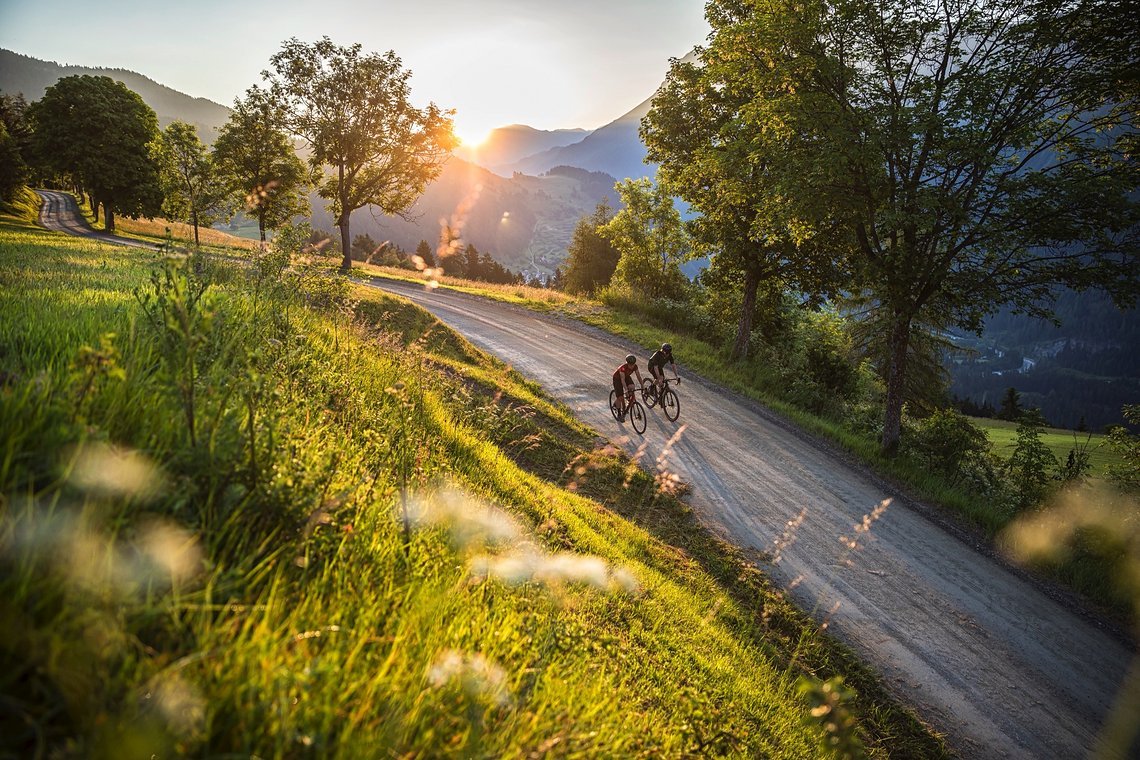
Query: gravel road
x=59 y=212
x=984 y=656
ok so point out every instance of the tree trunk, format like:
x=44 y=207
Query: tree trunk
x=109 y=215
x=194 y=218
x=747 y=308
x=345 y=213
x=896 y=375
x=94 y=208
x=261 y=224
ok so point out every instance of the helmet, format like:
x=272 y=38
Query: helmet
x=667 y=348
x=631 y=359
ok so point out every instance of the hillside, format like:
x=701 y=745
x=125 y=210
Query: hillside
x=615 y=149
x=248 y=531
x=524 y=222
x=1084 y=369
x=31 y=76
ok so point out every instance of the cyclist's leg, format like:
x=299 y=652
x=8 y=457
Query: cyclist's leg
x=620 y=393
x=658 y=377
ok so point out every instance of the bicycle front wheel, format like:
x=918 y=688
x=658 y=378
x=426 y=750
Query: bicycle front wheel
x=615 y=410
x=637 y=416
x=671 y=404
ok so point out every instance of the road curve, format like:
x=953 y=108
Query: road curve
x=984 y=656
x=59 y=212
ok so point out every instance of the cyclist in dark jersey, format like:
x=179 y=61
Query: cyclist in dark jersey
x=623 y=380
x=657 y=364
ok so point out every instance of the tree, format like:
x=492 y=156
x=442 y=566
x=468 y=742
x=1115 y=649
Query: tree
x=15 y=140
x=592 y=258
x=979 y=157
x=364 y=247
x=13 y=170
x=1032 y=464
x=255 y=158
x=100 y=132
x=651 y=238
x=354 y=110
x=423 y=250
x=697 y=130
x=1010 y=408
x=191 y=190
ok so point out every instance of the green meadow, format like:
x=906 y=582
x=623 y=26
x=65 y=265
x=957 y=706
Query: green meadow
x=256 y=511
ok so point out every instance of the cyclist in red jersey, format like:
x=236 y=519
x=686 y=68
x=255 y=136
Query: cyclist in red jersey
x=623 y=380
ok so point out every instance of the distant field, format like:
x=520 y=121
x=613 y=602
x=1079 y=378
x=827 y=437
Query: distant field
x=156 y=228
x=1003 y=435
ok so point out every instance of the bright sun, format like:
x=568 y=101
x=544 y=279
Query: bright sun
x=471 y=138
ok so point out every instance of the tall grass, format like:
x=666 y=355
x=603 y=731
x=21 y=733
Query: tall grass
x=248 y=512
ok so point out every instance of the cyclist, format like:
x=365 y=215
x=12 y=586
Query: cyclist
x=657 y=364
x=623 y=381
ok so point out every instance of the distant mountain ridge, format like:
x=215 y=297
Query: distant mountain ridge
x=506 y=145
x=615 y=149
x=31 y=77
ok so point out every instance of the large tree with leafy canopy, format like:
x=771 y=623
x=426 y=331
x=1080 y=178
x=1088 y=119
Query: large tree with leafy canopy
x=355 y=111
x=101 y=133
x=256 y=159
x=698 y=129
x=979 y=151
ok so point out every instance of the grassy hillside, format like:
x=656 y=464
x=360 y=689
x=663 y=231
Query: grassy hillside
x=247 y=512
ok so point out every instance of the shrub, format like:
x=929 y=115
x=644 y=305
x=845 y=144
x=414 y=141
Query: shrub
x=951 y=445
x=1031 y=466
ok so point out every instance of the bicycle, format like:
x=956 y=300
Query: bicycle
x=633 y=409
x=667 y=397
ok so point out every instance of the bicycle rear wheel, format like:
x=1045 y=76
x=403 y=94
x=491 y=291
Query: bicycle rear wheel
x=649 y=395
x=671 y=404
x=637 y=416
x=615 y=410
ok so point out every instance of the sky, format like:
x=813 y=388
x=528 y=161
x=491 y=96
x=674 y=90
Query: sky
x=546 y=64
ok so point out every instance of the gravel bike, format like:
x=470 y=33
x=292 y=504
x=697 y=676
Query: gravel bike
x=666 y=397
x=633 y=409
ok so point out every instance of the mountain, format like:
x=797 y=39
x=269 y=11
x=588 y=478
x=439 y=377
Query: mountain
x=523 y=222
x=615 y=149
x=31 y=76
x=506 y=145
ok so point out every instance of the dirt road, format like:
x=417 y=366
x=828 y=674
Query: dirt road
x=984 y=656
x=58 y=212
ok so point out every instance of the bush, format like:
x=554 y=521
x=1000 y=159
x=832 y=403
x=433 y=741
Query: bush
x=817 y=363
x=954 y=447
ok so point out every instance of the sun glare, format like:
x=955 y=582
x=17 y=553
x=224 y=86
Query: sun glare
x=470 y=138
